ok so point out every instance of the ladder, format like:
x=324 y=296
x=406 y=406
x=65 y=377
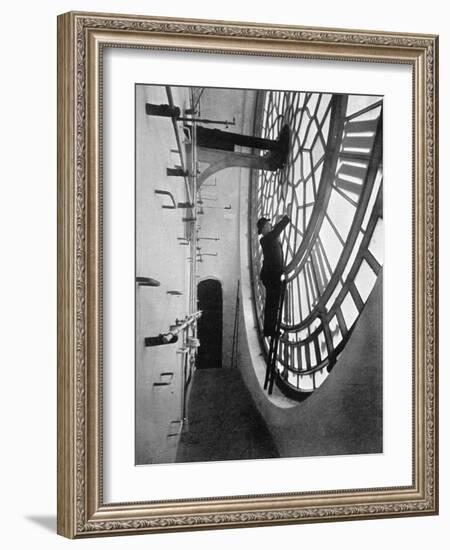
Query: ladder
x=274 y=340
x=234 y=348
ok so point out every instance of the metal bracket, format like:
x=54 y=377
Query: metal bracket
x=168 y=194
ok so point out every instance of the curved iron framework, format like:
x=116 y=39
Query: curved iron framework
x=334 y=246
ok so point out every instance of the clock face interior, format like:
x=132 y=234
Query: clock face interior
x=331 y=186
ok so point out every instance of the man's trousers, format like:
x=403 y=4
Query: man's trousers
x=272 y=284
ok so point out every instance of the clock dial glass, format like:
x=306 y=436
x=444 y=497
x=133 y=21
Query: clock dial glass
x=331 y=187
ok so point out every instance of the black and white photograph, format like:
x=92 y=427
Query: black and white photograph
x=258 y=261
x=223 y=242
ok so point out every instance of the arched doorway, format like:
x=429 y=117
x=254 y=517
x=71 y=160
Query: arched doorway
x=209 y=329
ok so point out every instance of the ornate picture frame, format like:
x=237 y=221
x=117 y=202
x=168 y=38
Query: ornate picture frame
x=82 y=39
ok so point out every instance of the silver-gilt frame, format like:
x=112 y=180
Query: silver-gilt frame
x=81 y=38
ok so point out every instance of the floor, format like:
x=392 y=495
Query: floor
x=224 y=424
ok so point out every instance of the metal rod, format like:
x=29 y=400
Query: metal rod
x=194 y=234
x=227 y=207
x=207 y=121
x=194 y=108
x=175 y=329
x=177 y=136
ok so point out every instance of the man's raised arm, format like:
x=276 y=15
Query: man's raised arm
x=279 y=226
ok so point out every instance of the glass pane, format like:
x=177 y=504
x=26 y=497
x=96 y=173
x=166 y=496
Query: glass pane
x=335 y=331
x=303 y=334
x=286 y=354
x=331 y=243
x=306 y=382
x=312 y=354
x=312 y=133
x=308 y=211
x=292 y=378
x=365 y=280
x=315 y=324
x=311 y=284
x=322 y=345
x=349 y=310
x=376 y=245
x=321 y=268
x=325 y=127
x=341 y=213
x=306 y=161
x=296 y=303
x=303 y=358
x=321 y=376
x=312 y=103
x=318 y=172
x=309 y=192
x=358 y=102
x=299 y=193
x=372 y=199
x=355 y=250
x=325 y=101
x=303 y=297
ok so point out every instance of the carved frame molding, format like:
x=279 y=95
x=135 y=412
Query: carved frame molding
x=81 y=37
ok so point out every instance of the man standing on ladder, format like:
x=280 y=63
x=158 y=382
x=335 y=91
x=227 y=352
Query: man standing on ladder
x=272 y=268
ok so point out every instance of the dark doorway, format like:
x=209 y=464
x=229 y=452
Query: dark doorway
x=209 y=294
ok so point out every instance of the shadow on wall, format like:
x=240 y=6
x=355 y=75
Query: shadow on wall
x=345 y=415
x=46 y=522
